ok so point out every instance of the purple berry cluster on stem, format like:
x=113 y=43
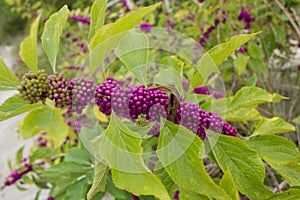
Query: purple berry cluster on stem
x=17 y=174
x=59 y=90
x=152 y=104
x=82 y=93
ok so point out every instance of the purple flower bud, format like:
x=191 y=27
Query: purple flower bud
x=242 y=50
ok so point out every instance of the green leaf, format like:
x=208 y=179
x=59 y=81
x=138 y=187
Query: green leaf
x=250 y=96
x=41 y=153
x=77 y=190
x=215 y=56
x=121 y=149
x=242 y=114
x=107 y=37
x=133 y=50
x=8 y=80
x=79 y=156
x=240 y=64
x=19 y=155
x=255 y=51
x=227 y=184
x=28 y=48
x=245 y=166
x=290 y=194
x=15 y=105
x=117 y=193
x=220 y=52
x=53 y=30
x=258 y=65
x=181 y=152
x=97 y=16
x=87 y=135
x=46 y=119
x=123 y=24
x=274 y=125
x=166 y=180
x=100 y=174
x=281 y=154
x=189 y=195
x=297 y=120
x=64 y=170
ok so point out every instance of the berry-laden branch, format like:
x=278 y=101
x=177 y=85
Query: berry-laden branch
x=133 y=102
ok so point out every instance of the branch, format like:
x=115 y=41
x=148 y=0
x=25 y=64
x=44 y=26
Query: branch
x=288 y=16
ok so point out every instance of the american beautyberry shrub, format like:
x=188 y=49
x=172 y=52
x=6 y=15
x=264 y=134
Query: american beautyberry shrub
x=82 y=93
x=33 y=87
x=59 y=90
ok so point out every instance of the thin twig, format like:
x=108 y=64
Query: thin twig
x=289 y=17
x=296 y=16
x=281 y=186
x=272 y=175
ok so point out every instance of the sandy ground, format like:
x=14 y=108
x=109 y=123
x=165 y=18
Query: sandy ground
x=10 y=141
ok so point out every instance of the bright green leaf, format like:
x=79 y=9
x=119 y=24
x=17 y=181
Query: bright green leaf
x=180 y=152
x=290 y=194
x=121 y=149
x=250 y=96
x=8 y=80
x=220 y=52
x=215 y=56
x=227 y=184
x=15 y=105
x=133 y=50
x=240 y=64
x=97 y=16
x=123 y=24
x=189 y=195
x=245 y=166
x=272 y=126
x=28 y=48
x=46 y=119
x=107 y=37
x=53 y=30
x=99 y=182
x=281 y=154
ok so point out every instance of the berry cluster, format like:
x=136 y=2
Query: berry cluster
x=17 y=174
x=151 y=103
x=33 y=87
x=82 y=93
x=59 y=90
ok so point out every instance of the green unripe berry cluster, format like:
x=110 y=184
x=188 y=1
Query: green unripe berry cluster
x=33 y=87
